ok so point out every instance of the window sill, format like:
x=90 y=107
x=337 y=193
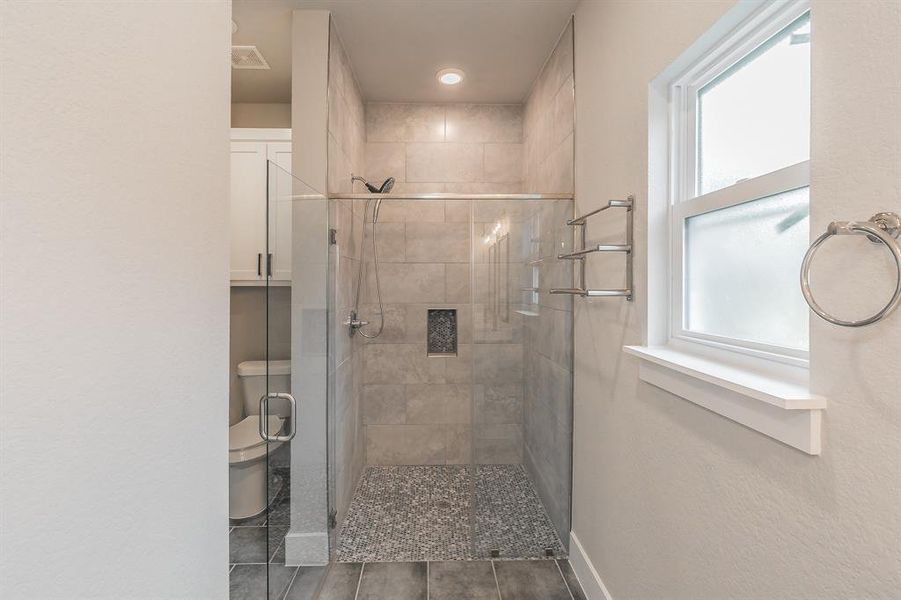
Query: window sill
x=780 y=409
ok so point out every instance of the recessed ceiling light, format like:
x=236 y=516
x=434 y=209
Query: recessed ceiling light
x=450 y=76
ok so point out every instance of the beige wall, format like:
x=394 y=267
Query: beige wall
x=548 y=123
x=261 y=115
x=673 y=501
x=459 y=148
x=114 y=326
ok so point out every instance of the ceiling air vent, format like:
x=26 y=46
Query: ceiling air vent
x=248 y=57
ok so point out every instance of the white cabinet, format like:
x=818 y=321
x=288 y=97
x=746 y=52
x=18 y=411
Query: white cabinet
x=251 y=149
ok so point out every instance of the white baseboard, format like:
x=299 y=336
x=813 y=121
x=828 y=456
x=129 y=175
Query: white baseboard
x=588 y=577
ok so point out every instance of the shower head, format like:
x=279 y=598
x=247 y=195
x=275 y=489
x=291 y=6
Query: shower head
x=386 y=186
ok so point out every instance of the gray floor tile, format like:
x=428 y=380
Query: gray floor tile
x=306 y=583
x=462 y=580
x=530 y=580
x=341 y=581
x=248 y=582
x=571 y=580
x=251 y=544
x=278 y=557
x=280 y=511
x=393 y=581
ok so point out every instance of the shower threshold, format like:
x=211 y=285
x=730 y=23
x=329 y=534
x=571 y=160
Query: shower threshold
x=425 y=513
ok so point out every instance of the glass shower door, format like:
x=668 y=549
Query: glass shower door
x=291 y=255
x=521 y=378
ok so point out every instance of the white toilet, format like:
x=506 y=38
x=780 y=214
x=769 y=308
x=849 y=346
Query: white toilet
x=247 y=473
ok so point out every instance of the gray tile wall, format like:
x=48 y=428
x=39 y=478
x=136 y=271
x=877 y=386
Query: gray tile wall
x=459 y=148
x=548 y=164
x=547 y=342
x=416 y=408
x=548 y=123
x=346 y=141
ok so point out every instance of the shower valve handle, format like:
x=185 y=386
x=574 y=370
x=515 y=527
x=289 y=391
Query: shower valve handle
x=354 y=323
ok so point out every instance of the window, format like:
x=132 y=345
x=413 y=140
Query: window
x=739 y=159
x=728 y=224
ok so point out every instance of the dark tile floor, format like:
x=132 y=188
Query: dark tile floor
x=256 y=546
x=452 y=580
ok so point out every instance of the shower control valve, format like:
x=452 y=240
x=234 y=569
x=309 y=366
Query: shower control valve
x=354 y=323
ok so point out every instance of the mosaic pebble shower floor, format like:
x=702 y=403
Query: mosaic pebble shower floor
x=423 y=513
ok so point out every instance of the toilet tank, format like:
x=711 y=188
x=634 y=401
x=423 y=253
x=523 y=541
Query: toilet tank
x=252 y=375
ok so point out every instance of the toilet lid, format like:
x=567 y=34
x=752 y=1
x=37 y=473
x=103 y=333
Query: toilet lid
x=246 y=434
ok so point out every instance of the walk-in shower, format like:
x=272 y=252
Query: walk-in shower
x=444 y=430
x=462 y=453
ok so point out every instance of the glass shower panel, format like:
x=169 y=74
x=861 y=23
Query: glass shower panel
x=521 y=357
x=295 y=265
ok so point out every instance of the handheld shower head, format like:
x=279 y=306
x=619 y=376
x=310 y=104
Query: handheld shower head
x=375 y=210
x=386 y=186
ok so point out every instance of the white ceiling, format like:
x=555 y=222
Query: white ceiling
x=397 y=46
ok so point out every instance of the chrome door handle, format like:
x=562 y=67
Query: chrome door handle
x=264 y=417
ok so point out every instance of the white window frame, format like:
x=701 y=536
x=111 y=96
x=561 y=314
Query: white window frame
x=762 y=387
x=684 y=199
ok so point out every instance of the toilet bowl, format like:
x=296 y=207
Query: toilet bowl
x=247 y=465
x=247 y=472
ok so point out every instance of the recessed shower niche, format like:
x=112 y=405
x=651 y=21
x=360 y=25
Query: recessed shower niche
x=441 y=331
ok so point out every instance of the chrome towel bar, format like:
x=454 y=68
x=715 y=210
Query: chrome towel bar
x=627 y=203
x=882 y=228
x=581 y=253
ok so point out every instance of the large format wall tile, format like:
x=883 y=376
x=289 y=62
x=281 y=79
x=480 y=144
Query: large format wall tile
x=400 y=363
x=409 y=282
x=484 y=123
x=456 y=282
x=449 y=403
x=458 y=440
x=503 y=163
x=497 y=363
x=384 y=404
x=405 y=444
x=444 y=162
x=498 y=403
x=437 y=242
x=404 y=122
x=385 y=159
x=548 y=124
x=435 y=148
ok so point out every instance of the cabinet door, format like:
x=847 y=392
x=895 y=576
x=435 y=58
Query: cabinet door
x=248 y=211
x=280 y=209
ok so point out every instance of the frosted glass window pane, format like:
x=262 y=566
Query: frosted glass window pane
x=755 y=117
x=741 y=271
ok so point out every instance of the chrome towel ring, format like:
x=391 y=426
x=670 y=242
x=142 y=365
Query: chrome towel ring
x=881 y=228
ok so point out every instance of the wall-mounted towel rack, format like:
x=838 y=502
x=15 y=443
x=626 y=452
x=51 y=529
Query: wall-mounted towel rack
x=584 y=251
x=882 y=228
